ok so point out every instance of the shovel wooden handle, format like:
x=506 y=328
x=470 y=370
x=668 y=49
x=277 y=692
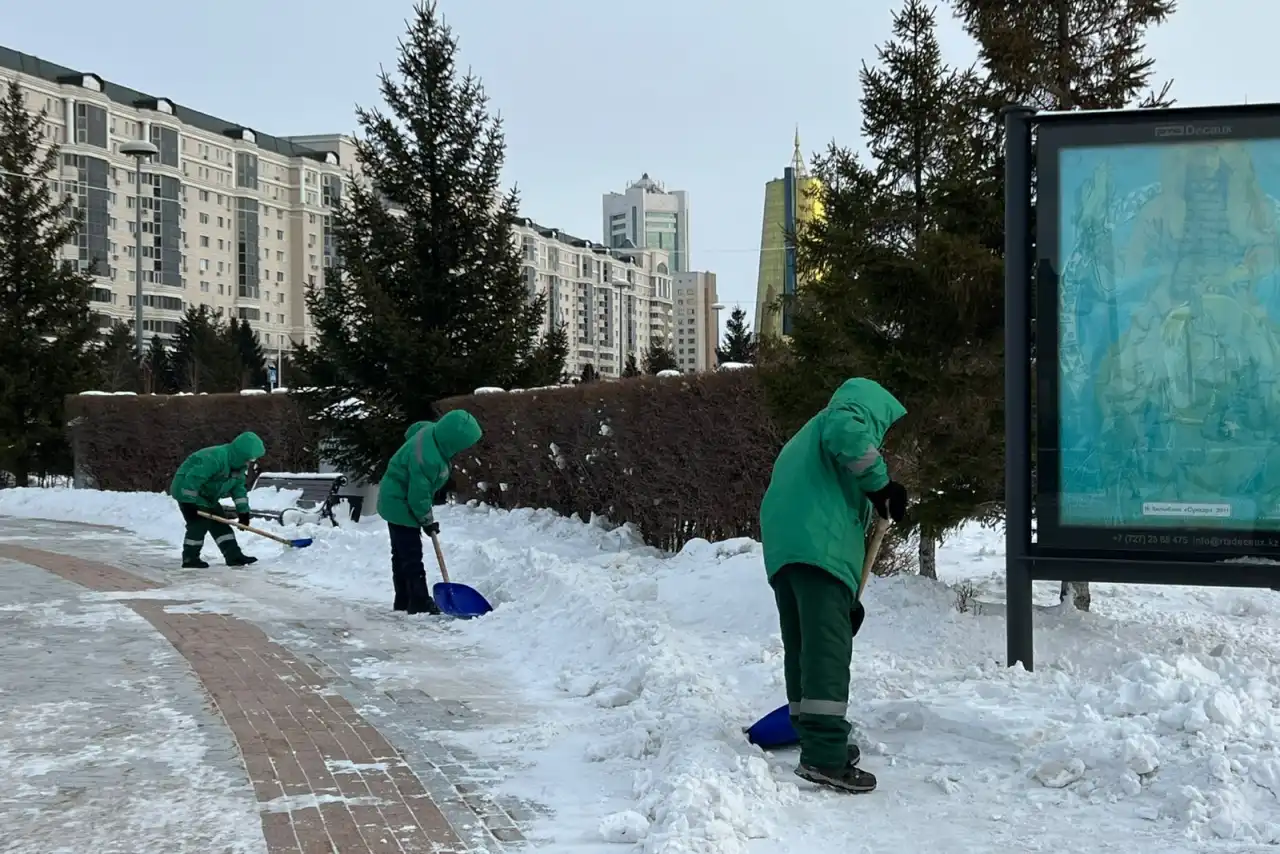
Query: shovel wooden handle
x=250 y=529
x=873 y=551
x=444 y=571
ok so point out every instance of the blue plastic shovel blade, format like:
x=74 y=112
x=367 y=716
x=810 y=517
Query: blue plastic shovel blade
x=459 y=600
x=300 y=544
x=774 y=730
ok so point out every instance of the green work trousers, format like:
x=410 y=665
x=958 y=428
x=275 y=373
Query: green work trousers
x=223 y=537
x=814 y=609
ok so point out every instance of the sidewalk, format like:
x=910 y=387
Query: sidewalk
x=109 y=741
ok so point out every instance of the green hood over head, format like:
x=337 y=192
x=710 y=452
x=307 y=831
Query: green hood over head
x=243 y=448
x=879 y=409
x=415 y=428
x=455 y=432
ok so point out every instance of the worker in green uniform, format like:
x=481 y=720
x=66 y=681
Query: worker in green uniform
x=201 y=482
x=827 y=482
x=406 y=493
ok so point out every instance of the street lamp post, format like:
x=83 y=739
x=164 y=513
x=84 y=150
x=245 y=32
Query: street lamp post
x=139 y=150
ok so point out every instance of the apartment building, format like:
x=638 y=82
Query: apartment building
x=697 y=321
x=614 y=301
x=232 y=218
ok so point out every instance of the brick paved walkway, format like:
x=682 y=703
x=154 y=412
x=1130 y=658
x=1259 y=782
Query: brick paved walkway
x=326 y=779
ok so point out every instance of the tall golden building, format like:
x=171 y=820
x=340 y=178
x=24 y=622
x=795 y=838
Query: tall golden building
x=788 y=202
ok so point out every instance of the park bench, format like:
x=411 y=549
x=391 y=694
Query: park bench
x=320 y=493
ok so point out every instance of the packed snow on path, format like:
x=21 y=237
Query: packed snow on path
x=1150 y=725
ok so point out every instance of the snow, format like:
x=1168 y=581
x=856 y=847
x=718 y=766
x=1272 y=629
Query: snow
x=252 y=391
x=1150 y=725
x=669 y=373
x=490 y=390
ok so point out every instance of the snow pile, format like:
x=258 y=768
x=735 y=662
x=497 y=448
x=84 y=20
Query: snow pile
x=151 y=515
x=1153 y=721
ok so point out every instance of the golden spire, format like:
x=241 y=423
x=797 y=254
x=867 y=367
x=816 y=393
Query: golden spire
x=797 y=157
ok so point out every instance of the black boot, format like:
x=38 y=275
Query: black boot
x=402 y=599
x=194 y=563
x=850 y=778
x=420 y=601
x=241 y=560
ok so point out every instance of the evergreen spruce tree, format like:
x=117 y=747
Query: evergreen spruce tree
x=630 y=368
x=203 y=357
x=1068 y=55
x=292 y=376
x=432 y=301
x=905 y=281
x=253 y=360
x=659 y=358
x=46 y=327
x=739 y=343
x=157 y=368
x=545 y=364
x=118 y=368
x=589 y=374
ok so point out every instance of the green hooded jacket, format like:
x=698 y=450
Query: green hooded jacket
x=217 y=472
x=815 y=510
x=421 y=466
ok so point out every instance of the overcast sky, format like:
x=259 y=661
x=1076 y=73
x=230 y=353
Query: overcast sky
x=701 y=94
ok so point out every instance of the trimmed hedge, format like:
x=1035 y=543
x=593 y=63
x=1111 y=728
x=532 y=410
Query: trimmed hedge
x=136 y=442
x=679 y=457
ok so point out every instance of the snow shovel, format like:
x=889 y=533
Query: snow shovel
x=456 y=600
x=297 y=544
x=775 y=731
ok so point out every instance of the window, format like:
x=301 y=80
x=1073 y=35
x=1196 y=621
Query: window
x=204 y=240
x=91 y=125
x=246 y=170
x=204 y=197
x=156 y=301
x=279 y=235
x=246 y=313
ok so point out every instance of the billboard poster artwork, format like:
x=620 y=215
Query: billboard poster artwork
x=1168 y=336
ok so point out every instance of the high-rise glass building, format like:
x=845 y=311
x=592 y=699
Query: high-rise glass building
x=648 y=216
x=788 y=202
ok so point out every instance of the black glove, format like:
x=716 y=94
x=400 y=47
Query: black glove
x=857 y=615
x=244 y=518
x=431 y=529
x=890 y=501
